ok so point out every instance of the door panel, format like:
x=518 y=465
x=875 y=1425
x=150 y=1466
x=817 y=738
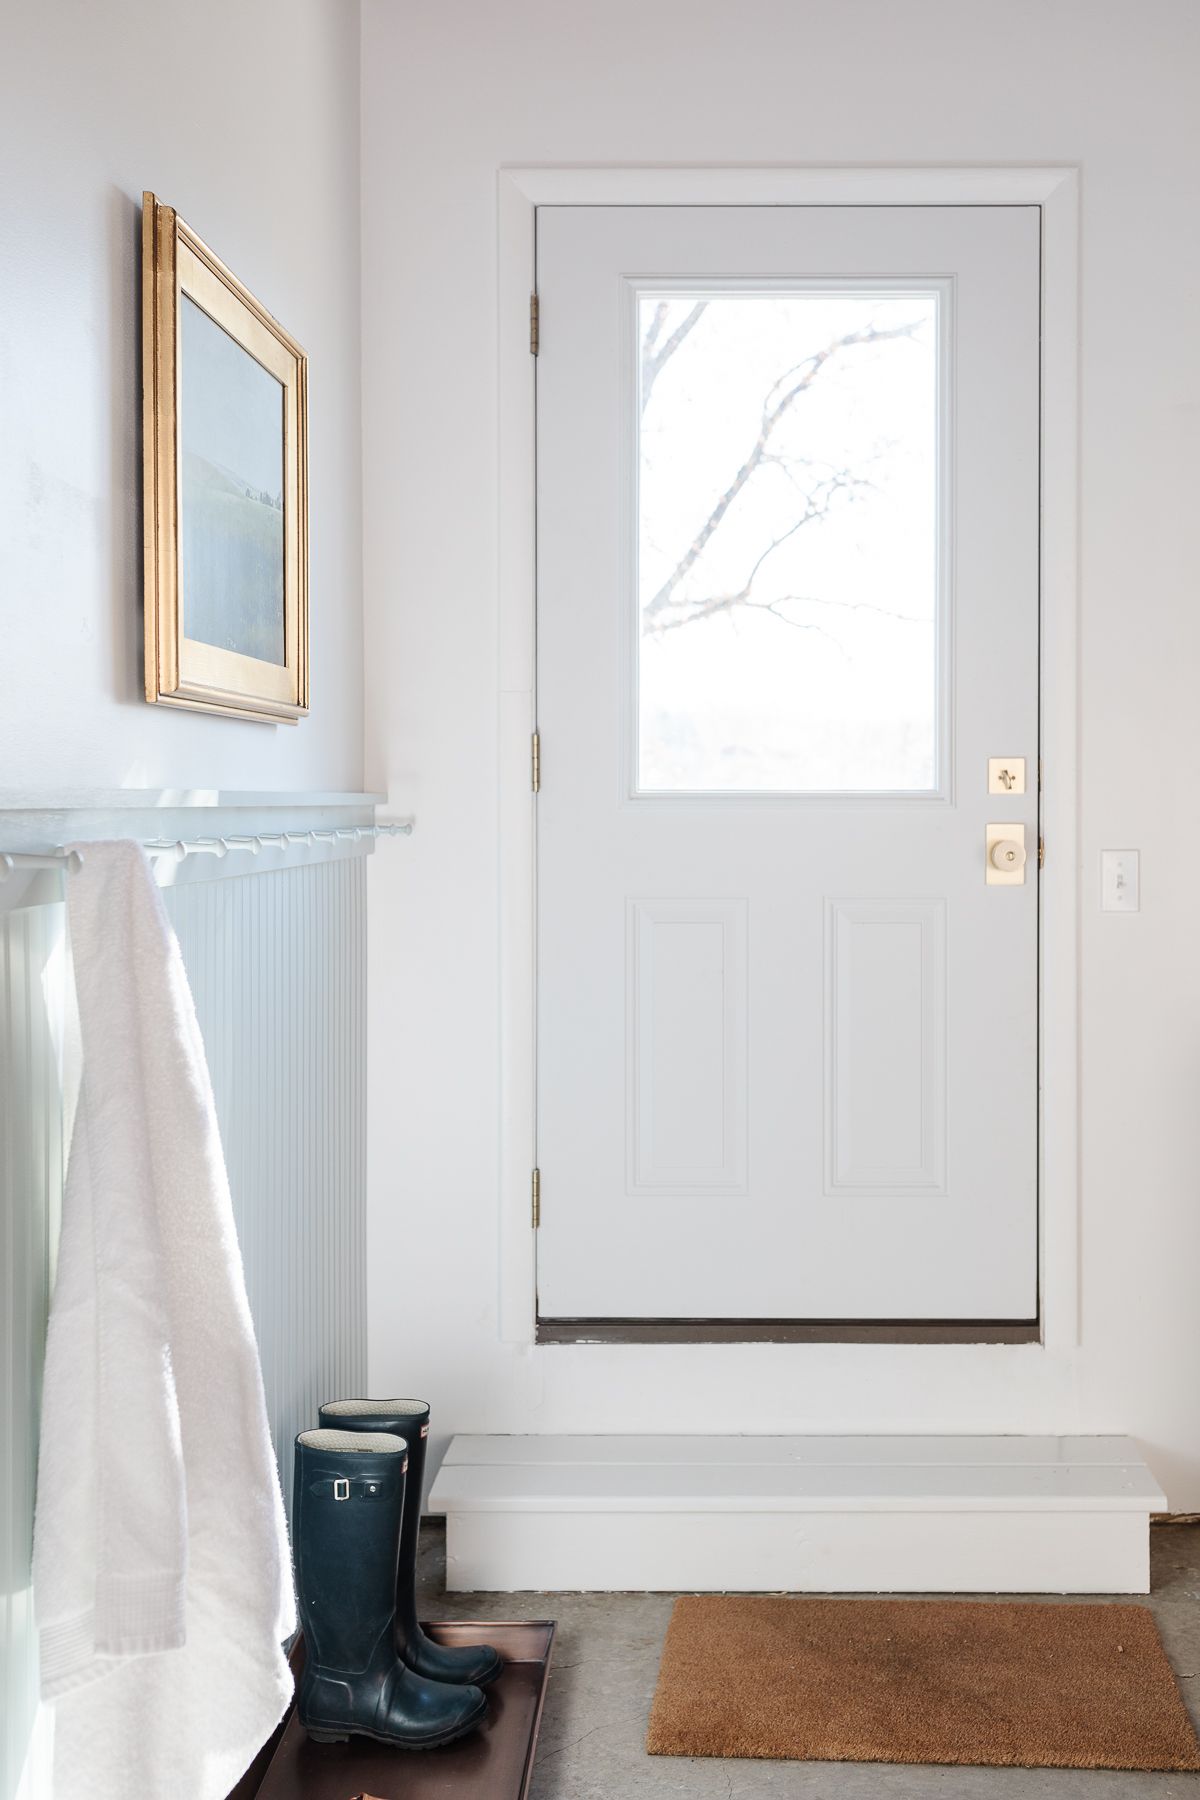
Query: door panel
x=885 y=1046
x=787 y=611
x=686 y=1056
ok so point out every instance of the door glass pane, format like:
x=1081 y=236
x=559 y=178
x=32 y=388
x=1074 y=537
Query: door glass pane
x=788 y=540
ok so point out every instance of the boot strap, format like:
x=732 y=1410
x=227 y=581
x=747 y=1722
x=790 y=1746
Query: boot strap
x=344 y=1487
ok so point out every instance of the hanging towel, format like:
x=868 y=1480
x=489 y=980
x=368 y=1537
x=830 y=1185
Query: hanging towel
x=162 y=1576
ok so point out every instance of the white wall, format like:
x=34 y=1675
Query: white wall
x=244 y=116
x=454 y=91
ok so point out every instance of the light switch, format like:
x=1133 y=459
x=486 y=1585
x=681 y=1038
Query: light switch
x=1119 y=881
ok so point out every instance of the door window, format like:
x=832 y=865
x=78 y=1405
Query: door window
x=789 y=538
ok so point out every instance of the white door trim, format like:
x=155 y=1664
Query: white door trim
x=1056 y=190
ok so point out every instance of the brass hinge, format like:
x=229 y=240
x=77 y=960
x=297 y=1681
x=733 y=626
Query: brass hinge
x=534 y=325
x=1039 y=774
x=535 y=761
x=537 y=1198
x=1041 y=853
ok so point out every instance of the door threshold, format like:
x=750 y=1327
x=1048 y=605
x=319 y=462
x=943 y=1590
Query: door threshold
x=788 y=1331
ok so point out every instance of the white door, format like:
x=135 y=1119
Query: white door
x=787 y=685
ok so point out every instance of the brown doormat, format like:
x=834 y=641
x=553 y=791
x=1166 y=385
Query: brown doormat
x=920 y=1681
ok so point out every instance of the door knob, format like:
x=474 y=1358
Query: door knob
x=1005 y=851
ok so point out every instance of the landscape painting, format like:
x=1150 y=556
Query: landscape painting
x=232 y=524
x=224 y=484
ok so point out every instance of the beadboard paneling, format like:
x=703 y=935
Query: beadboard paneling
x=277 y=964
x=31 y=1171
x=277 y=968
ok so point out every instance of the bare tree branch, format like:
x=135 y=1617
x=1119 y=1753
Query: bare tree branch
x=780 y=398
x=654 y=357
x=655 y=326
x=678 y=611
x=773 y=606
x=883 y=612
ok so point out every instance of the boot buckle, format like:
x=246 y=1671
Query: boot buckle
x=341 y=1488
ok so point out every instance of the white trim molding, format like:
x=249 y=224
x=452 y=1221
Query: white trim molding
x=520 y=191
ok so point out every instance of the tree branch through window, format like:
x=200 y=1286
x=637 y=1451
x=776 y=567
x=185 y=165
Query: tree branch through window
x=676 y=603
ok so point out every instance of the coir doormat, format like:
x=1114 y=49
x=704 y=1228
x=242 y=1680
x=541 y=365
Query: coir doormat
x=920 y=1681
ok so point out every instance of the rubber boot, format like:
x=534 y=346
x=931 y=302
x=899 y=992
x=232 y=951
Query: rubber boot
x=409 y=1419
x=348 y=1508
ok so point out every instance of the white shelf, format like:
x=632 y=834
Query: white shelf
x=33 y=823
x=76 y=800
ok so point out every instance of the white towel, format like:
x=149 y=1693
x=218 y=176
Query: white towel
x=162 y=1578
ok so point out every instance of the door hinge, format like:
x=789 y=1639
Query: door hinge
x=536 y=1195
x=1041 y=853
x=535 y=761
x=1039 y=774
x=534 y=324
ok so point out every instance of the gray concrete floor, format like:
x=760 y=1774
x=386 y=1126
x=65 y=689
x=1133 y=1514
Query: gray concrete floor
x=606 y=1665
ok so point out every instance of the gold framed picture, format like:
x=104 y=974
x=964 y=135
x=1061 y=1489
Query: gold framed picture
x=225 y=464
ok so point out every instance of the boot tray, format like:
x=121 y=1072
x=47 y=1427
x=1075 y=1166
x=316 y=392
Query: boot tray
x=493 y=1763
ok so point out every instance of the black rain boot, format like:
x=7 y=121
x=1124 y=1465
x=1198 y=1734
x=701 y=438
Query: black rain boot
x=348 y=1507
x=410 y=1419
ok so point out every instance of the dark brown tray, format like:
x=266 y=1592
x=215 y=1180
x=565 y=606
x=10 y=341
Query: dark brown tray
x=493 y=1763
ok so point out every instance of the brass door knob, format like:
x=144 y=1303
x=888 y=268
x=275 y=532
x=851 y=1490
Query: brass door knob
x=1008 y=855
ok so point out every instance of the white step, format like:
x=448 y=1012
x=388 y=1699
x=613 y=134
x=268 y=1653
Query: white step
x=798 y=1514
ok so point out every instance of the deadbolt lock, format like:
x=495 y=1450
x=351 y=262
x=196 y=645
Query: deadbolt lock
x=1006 y=774
x=1006 y=858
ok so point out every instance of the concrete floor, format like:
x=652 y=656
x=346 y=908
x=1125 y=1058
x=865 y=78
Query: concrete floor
x=606 y=1664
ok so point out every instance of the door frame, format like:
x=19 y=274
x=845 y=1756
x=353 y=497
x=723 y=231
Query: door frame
x=1055 y=190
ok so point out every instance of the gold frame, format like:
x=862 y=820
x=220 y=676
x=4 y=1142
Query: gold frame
x=183 y=671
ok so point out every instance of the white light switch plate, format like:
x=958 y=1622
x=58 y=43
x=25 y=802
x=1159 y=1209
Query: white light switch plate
x=1119 y=881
